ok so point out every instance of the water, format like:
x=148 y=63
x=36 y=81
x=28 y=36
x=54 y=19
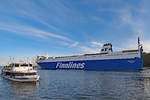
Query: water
x=80 y=85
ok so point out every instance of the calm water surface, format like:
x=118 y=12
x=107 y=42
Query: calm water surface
x=80 y=85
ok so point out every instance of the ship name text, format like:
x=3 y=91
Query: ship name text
x=70 y=65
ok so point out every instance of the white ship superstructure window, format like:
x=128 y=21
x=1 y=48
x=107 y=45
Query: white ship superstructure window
x=16 y=65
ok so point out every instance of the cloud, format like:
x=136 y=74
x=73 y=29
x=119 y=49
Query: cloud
x=74 y=44
x=95 y=47
x=49 y=13
x=146 y=46
x=136 y=24
x=89 y=49
x=3 y=61
x=38 y=33
x=92 y=47
x=136 y=17
x=132 y=43
x=31 y=31
x=96 y=44
x=51 y=16
x=125 y=13
x=31 y=10
x=38 y=19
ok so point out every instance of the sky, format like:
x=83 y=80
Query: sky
x=68 y=27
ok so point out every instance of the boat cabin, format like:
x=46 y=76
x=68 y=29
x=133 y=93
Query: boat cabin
x=19 y=65
x=107 y=48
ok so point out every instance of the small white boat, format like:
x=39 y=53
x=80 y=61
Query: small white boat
x=20 y=72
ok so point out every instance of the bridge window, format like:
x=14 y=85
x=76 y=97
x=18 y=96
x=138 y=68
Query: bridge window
x=110 y=49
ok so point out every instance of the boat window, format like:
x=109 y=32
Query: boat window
x=24 y=65
x=20 y=74
x=102 y=50
x=30 y=73
x=16 y=65
x=7 y=73
x=30 y=64
x=17 y=74
x=110 y=49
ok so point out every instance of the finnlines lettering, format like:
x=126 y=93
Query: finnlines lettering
x=70 y=65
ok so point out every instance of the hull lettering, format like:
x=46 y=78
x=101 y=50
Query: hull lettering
x=70 y=65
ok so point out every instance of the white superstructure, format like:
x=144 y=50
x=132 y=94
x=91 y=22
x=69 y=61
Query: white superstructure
x=106 y=53
x=20 y=72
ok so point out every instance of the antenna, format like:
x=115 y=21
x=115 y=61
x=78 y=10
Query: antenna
x=140 y=47
x=138 y=42
x=9 y=60
x=13 y=60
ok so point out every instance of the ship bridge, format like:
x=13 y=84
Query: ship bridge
x=107 y=48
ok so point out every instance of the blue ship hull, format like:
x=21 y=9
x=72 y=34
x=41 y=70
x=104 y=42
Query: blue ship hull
x=107 y=64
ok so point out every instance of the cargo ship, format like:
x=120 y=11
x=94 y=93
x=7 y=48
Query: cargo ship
x=106 y=59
